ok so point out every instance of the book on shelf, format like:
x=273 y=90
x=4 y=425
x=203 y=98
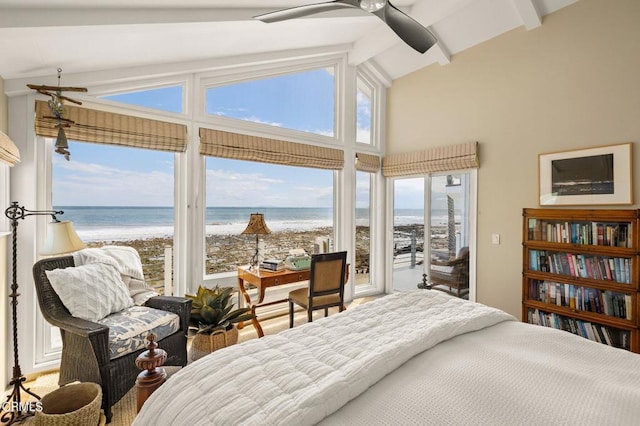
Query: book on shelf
x=592 y=331
x=581 y=298
x=597 y=267
x=585 y=233
x=579 y=273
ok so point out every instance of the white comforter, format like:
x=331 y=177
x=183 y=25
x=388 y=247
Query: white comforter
x=302 y=375
x=509 y=374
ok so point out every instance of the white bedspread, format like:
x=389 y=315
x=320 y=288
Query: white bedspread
x=509 y=374
x=302 y=375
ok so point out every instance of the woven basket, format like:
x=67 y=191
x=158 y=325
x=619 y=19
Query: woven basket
x=204 y=344
x=71 y=405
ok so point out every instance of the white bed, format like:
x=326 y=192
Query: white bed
x=411 y=358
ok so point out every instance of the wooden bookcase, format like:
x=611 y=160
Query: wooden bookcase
x=580 y=273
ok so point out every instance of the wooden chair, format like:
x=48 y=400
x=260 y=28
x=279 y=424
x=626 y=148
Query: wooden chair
x=326 y=285
x=453 y=273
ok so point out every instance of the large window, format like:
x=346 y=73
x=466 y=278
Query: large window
x=297 y=204
x=125 y=196
x=162 y=98
x=303 y=101
x=122 y=196
x=363 y=228
x=364 y=95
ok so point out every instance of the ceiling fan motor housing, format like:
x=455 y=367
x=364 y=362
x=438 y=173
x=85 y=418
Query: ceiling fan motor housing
x=372 y=5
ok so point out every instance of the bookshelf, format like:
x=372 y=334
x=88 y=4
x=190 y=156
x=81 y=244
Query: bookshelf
x=580 y=273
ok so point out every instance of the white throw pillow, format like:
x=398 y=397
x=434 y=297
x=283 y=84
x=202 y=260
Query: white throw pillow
x=90 y=291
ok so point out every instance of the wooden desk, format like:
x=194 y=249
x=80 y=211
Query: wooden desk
x=267 y=279
x=264 y=280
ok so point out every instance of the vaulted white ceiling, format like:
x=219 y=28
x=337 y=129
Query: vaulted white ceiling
x=83 y=36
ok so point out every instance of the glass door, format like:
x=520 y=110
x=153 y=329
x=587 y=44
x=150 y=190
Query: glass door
x=408 y=233
x=449 y=209
x=444 y=202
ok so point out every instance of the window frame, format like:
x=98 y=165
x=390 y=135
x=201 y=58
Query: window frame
x=101 y=91
x=361 y=79
x=245 y=74
x=190 y=167
x=368 y=286
x=210 y=279
x=366 y=75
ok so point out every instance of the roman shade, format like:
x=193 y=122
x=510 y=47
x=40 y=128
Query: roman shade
x=218 y=143
x=442 y=159
x=367 y=163
x=8 y=150
x=114 y=129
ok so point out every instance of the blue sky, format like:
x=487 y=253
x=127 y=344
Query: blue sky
x=102 y=175
x=302 y=101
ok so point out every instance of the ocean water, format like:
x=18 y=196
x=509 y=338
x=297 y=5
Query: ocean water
x=130 y=223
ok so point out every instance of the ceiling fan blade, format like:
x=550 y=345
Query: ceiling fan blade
x=408 y=29
x=309 y=9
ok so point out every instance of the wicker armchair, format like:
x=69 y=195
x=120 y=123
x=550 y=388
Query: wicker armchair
x=85 y=344
x=454 y=273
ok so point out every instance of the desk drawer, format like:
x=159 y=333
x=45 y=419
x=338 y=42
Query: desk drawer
x=284 y=279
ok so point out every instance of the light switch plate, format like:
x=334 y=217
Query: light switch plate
x=495 y=238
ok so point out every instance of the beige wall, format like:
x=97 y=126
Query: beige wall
x=572 y=83
x=4 y=108
x=3 y=257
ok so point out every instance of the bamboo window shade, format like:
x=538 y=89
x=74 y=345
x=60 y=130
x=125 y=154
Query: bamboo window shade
x=367 y=163
x=441 y=159
x=114 y=129
x=218 y=143
x=8 y=150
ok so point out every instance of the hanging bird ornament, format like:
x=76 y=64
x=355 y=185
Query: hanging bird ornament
x=56 y=105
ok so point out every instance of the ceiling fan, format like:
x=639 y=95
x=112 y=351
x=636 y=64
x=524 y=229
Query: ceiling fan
x=408 y=29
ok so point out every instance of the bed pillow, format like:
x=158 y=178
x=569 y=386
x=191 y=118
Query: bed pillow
x=90 y=291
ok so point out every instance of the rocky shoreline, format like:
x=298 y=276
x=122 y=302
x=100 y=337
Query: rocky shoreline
x=225 y=252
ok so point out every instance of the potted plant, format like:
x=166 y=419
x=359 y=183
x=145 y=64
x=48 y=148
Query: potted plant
x=213 y=320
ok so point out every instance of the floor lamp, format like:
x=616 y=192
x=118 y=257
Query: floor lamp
x=61 y=238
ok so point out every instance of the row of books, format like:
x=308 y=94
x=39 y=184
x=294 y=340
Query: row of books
x=605 y=302
x=616 y=269
x=596 y=332
x=592 y=233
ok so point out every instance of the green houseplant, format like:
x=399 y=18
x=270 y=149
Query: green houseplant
x=212 y=320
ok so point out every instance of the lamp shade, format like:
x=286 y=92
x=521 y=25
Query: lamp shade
x=257 y=225
x=61 y=238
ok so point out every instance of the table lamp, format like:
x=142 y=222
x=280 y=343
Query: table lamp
x=61 y=238
x=256 y=226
